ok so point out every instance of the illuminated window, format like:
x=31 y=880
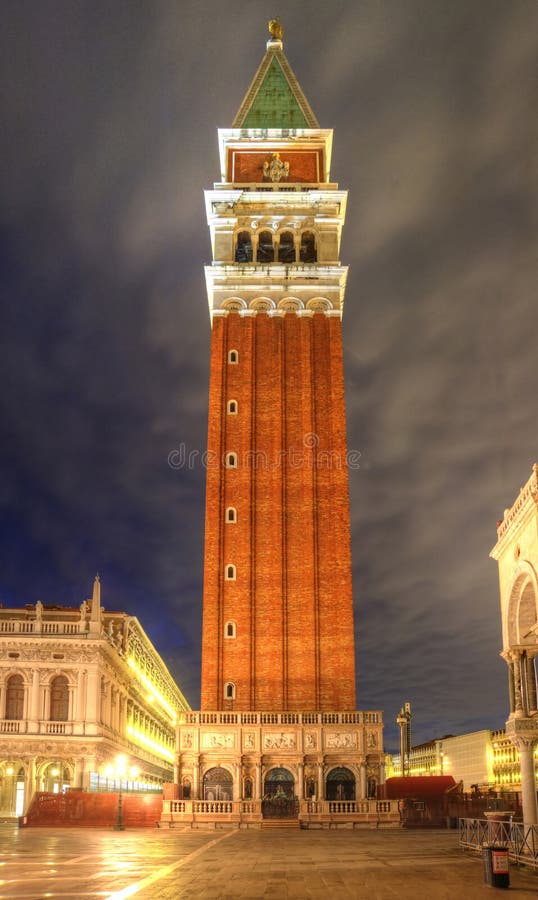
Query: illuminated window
x=229 y=630
x=229 y=690
x=231 y=460
x=231 y=514
x=232 y=407
x=59 y=699
x=233 y=357
x=230 y=573
x=15 y=697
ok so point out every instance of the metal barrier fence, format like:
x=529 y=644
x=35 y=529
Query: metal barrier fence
x=521 y=840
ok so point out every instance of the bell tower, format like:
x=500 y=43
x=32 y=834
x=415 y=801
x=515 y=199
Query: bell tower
x=278 y=611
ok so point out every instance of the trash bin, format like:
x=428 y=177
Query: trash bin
x=496 y=867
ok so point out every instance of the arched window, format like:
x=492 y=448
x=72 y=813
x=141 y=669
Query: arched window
x=231 y=515
x=217 y=784
x=232 y=407
x=59 y=699
x=308 y=247
x=340 y=784
x=229 y=630
x=233 y=357
x=15 y=697
x=231 y=460
x=286 y=248
x=229 y=690
x=230 y=572
x=266 y=251
x=243 y=249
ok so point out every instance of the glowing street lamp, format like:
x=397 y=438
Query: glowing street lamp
x=119 y=771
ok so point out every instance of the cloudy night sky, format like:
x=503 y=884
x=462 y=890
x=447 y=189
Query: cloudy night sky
x=110 y=116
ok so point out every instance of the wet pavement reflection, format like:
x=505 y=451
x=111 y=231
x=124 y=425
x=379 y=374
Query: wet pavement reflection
x=177 y=864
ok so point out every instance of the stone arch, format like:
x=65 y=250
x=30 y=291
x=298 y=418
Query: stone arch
x=233 y=304
x=340 y=784
x=217 y=784
x=262 y=304
x=54 y=775
x=522 y=609
x=278 y=779
x=308 y=250
x=290 y=304
x=243 y=246
x=318 y=304
x=13 y=774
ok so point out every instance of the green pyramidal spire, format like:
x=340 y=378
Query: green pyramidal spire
x=274 y=98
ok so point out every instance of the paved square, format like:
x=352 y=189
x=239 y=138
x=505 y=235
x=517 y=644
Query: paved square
x=63 y=864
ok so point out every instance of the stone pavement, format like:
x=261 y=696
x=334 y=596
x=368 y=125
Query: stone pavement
x=74 y=864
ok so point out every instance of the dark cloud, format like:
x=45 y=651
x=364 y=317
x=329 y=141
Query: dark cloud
x=110 y=115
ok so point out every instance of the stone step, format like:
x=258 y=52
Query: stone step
x=280 y=823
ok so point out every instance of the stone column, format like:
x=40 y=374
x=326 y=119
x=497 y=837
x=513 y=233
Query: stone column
x=196 y=779
x=321 y=785
x=518 y=698
x=363 y=787
x=511 y=686
x=300 y=781
x=258 y=781
x=531 y=682
x=34 y=699
x=523 y=732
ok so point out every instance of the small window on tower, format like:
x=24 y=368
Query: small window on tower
x=233 y=357
x=230 y=573
x=233 y=406
x=229 y=690
x=231 y=460
x=231 y=514
x=229 y=630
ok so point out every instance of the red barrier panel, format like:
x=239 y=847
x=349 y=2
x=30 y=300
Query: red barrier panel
x=77 y=808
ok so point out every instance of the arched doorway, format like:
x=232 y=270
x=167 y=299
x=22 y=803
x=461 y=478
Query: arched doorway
x=218 y=784
x=279 y=801
x=56 y=778
x=340 y=784
x=11 y=789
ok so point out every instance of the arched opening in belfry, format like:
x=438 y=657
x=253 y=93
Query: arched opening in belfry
x=266 y=251
x=308 y=247
x=243 y=248
x=286 y=248
x=218 y=784
x=340 y=784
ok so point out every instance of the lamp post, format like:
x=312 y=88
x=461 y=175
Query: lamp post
x=119 y=771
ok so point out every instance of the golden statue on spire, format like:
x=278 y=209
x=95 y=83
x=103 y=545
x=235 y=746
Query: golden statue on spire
x=275 y=29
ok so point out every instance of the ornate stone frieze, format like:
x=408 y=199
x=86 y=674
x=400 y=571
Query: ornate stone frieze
x=341 y=740
x=218 y=741
x=281 y=741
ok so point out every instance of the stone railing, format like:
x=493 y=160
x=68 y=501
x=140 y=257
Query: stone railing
x=529 y=490
x=36 y=627
x=282 y=718
x=324 y=812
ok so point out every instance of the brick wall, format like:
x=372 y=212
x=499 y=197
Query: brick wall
x=291 y=600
